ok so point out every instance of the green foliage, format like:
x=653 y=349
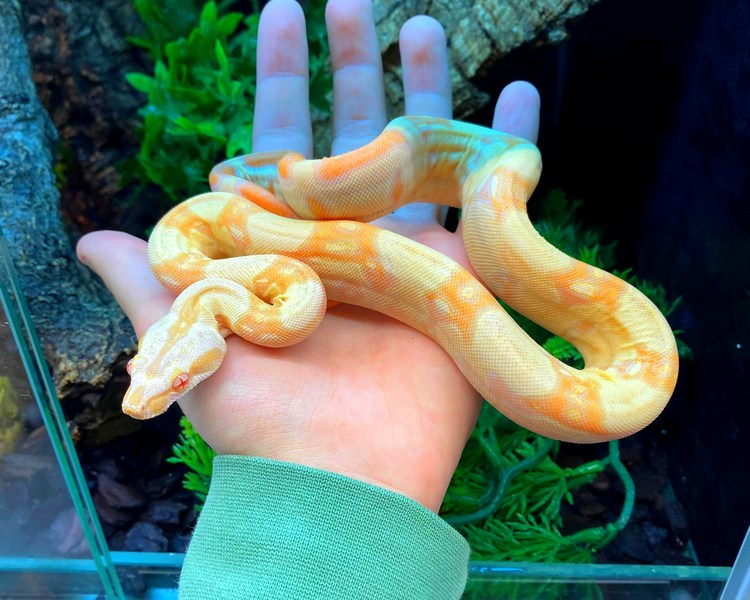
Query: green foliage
x=65 y=162
x=201 y=92
x=658 y=295
x=321 y=77
x=192 y=451
x=11 y=419
x=525 y=522
x=199 y=110
x=564 y=351
x=557 y=222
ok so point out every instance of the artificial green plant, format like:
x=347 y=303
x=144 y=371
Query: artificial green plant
x=193 y=451
x=201 y=93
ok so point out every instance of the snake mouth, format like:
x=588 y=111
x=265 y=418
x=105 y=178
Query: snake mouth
x=140 y=405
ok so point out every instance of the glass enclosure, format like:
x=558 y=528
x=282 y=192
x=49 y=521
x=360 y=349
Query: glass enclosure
x=51 y=539
x=644 y=132
x=52 y=543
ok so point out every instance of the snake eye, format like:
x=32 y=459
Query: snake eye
x=129 y=367
x=180 y=381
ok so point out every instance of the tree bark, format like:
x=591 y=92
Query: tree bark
x=479 y=32
x=82 y=329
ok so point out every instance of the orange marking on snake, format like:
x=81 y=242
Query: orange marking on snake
x=318 y=208
x=457 y=301
x=287 y=162
x=577 y=402
x=265 y=200
x=658 y=369
x=333 y=168
x=578 y=287
x=398 y=190
x=377 y=274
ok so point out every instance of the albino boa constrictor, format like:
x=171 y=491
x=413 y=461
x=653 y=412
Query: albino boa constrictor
x=264 y=269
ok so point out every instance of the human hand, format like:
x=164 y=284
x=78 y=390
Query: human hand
x=364 y=396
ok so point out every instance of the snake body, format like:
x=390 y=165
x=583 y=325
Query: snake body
x=280 y=236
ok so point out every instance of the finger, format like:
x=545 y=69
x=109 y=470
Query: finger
x=424 y=58
x=121 y=261
x=427 y=91
x=358 y=95
x=517 y=111
x=282 y=111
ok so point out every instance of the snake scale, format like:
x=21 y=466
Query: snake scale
x=280 y=236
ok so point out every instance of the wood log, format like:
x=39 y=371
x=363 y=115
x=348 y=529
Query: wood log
x=479 y=32
x=82 y=329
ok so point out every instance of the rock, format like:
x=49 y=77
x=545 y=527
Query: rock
x=118 y=495
x=655 y=536
x=108 y=466
x=649 y=487
x=631 y=453
x=161 y=486
x=109 y=515
x=678 y=522
x=163 y=512
x=179 y=543
x=134 y=584
x=116 y=541
x=67 y=533
x=640 y=514
x=82 y=329
x=632 y=544
x=593 y=509
x=602 y=483
x=145 y=537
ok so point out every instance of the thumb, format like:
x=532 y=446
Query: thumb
x=121 y=261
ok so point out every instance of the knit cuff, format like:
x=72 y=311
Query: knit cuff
x=271 y=529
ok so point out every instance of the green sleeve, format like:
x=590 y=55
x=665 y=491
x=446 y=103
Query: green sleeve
x=278 y=530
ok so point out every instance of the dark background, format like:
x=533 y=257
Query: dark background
x=646 y=117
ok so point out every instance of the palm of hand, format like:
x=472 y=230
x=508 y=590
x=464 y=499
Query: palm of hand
x=364 y=396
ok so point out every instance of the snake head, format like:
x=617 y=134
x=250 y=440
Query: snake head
x=173 y=357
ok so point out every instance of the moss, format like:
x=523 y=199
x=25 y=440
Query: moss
x=11 y=425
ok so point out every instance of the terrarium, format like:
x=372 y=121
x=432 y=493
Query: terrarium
x=121 y=113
